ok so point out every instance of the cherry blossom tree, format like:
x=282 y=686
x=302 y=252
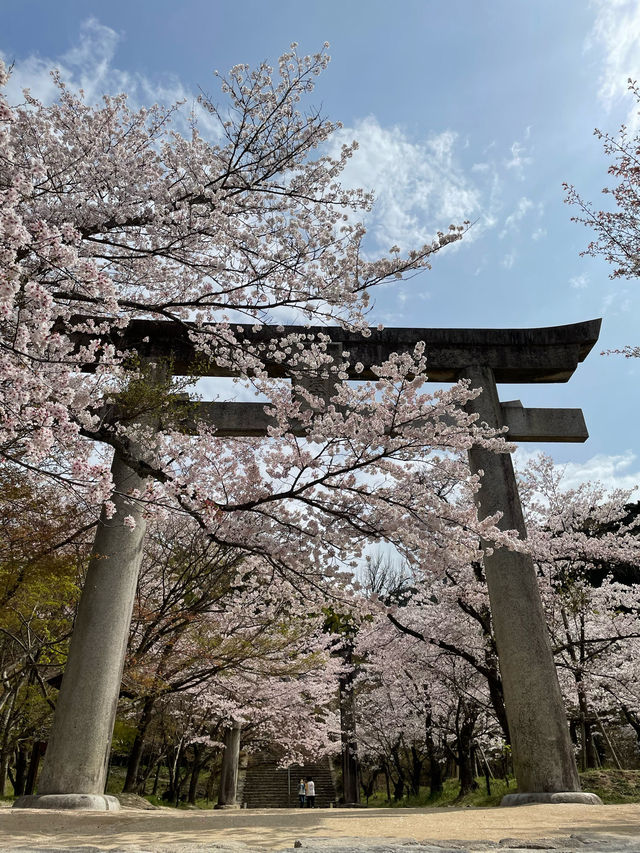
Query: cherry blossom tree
x=430 y=655
x=617 y=229
x=234 y=639
x=580 y=539
x=109 y=216
x=420 y=706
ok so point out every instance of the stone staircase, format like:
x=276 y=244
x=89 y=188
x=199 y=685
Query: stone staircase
x=267 y=786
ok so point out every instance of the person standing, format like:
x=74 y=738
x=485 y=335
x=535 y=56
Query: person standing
x=302 y=793
x=311 y=793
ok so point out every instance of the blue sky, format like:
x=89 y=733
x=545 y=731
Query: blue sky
x=463 y=110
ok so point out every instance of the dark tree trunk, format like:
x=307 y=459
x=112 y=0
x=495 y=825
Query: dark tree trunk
x=195 y=773
x=172 y=793
x=400 y=781
x=21 y=770
x=465 y=753
x=5 y=747
x=398 y=789
x=386 y=781
x=350 y=769
x=435 y=777
x=633 y=720
x=4 y=766
x=211 y=781
x=487 y=780
x=133 y=766
x=152 y=762
x=588 y=758
x=369 y=783
x=416 y=771
x=496 y=696
x=36 y=754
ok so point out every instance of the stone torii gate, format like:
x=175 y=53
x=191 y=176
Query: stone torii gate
x=76 y=761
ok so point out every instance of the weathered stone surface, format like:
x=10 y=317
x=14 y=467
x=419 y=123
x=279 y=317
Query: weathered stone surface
x=76 y=760
x=227 y=795
x=135 y=801
x=251 y=420
x=537 y=424
x=543 y=756
x=83 y=802
x=516 y=355
x=557 y=797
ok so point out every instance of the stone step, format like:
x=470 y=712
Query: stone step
x=268 y=786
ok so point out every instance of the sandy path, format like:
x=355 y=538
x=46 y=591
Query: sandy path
x=278 y=828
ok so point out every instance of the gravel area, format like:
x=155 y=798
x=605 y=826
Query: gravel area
x=560 y=828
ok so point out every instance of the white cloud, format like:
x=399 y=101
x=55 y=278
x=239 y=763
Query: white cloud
x=519 y=159
x=616 y=32
x=89 y=65
x=579 y=282
x=420 y=187
x=617 y=302
x=539 y=233
x=509 y=260
x=620 y=471
x=511 y=222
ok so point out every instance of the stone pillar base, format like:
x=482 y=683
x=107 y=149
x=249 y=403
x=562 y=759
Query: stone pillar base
x=558 y=797
x=227 y=806
x=87 y=802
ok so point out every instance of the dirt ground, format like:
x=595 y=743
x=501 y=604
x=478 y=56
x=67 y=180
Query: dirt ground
x=279 y=828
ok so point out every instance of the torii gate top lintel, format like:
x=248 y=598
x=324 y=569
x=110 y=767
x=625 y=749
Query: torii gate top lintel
x=549 y=354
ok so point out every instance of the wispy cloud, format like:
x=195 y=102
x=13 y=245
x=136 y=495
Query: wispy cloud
x=519 y=158
x=616 y=32
x=618 y=302
x=90 y=65
x=420 y=187
x=512 y=221
x=508 y=260
x=579 y=282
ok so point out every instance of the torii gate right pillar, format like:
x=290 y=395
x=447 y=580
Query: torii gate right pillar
x=543 y=756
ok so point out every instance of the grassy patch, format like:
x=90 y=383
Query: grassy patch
x=449 y=796
x=612 y=786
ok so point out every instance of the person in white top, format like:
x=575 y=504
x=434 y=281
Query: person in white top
x=311 y=793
